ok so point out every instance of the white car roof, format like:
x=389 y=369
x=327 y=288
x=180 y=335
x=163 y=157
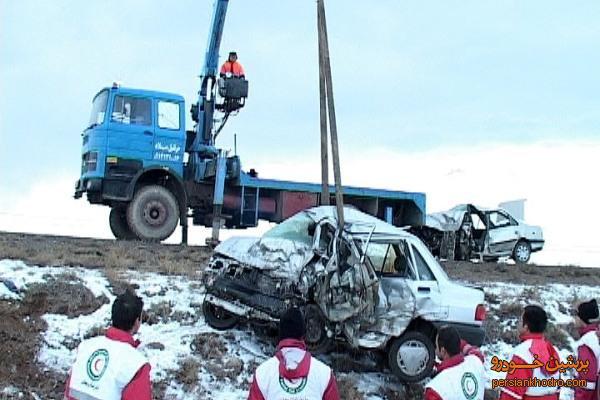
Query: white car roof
x=357 y=222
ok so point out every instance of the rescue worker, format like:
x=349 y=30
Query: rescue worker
x=532 y=325
x=232 y=67
x=293 y=373
x=588 y=349
x=460 y=375
x=109 y=367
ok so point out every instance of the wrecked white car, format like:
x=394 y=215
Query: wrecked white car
x=372 y=284
x=467 y=232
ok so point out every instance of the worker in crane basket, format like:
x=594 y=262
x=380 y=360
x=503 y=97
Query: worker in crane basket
x=232 y=67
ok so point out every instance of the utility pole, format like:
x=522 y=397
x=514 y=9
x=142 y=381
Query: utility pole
x=323 y=118
x=325 y=67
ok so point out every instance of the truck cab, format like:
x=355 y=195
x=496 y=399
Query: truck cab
x=129 y=131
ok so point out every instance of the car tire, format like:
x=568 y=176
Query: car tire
x=153 y=213
x=522 y=252
x=217 y=317
x=316 y=338
x=411 y=357
x=119 y=227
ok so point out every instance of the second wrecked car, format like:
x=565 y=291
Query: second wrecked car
x=467 y=231
x=371 y=284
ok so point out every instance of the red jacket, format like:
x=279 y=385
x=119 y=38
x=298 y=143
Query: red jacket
x=301 y=370
x=544 y=350
x=465 y=350
x=140 y=387
x=585 y=353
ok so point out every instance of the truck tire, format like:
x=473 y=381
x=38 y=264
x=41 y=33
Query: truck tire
x=153 y=213
x=411 y=356
x=316 y=338
x=118 y=224
x=522 y=252
x=217 y=317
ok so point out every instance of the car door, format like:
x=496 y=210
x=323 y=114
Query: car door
x=425 y=287
x=503 y=233
x=396 y=303
x=130 y=129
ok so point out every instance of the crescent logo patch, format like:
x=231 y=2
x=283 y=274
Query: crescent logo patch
x=469 y=385
x=97 y=364
x=294 y=386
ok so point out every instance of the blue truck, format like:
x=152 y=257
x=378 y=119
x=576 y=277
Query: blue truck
x=139 y=159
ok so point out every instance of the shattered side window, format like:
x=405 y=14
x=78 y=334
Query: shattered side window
x=294 y=228
x=389 y=264
x=376 y=253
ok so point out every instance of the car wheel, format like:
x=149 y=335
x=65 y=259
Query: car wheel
x=316 y=337
x=411 y=356
x=119 y=227
x=522 y=252
x=217 y=317
x=153 y=213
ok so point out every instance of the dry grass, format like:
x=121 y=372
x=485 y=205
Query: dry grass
x=96 y=330
x=188 y=372
x=58 y=296
x=557 y=336
x=348 y=390
x=229 y=369
x=509 y=311
x=531 y=295
x=492 y=298
x=20 y=339
x=158 y=312
x=496 y=331
x=208 y=346
x=106 y=254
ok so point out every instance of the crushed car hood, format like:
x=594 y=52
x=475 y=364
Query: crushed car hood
x=447 y=220
x=283 y=258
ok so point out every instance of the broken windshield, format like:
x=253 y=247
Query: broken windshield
x=98 y=109
x=294 y=228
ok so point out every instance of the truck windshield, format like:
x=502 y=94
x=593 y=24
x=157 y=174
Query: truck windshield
x=98 y=109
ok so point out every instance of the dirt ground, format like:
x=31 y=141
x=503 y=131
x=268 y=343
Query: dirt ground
x=529 y=274
x=102 y=253
x=21 y=329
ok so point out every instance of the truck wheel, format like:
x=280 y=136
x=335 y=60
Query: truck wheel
x=118 y=224
x=411 y=356
x=153 y=213
x=522 y=252
x=217 y=317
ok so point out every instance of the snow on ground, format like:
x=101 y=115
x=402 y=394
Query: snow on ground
x=168 y=341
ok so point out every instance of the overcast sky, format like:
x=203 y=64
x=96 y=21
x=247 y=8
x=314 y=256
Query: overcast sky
x=413 y=80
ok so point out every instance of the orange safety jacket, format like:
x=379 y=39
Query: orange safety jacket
x=235 y=68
